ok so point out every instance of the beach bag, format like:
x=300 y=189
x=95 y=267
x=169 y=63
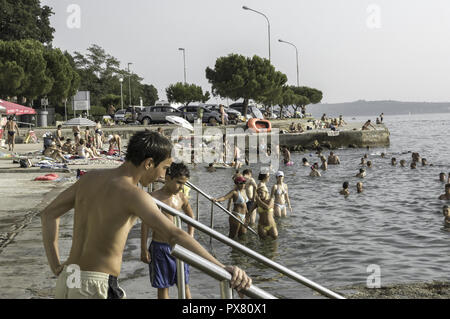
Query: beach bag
x=25 y=163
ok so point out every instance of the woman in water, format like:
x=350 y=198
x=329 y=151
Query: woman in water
x=239 y=197
x=280 y=193
x=266 y=223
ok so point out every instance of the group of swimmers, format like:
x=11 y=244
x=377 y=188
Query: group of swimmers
x=249 y=198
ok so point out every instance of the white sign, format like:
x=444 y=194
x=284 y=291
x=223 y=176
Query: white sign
x=81 y=105
x=82 y=101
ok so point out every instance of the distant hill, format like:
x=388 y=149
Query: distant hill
x=375 y=108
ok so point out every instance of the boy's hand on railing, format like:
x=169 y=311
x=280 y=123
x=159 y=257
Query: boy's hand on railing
x=239 y=279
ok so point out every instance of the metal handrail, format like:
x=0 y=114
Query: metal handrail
x=199 y=191
x=217 y=272
x=264 y=260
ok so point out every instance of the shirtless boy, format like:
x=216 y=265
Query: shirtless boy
x=162 y=266
x=333 y=159
x=442 y=177
x=359 y=187
x=344 y=190
x=103 y=219
x=314 y=170
x=366 y=125
x=286 y=154
x=362 y=173
x=11 y=127
x=446 y=195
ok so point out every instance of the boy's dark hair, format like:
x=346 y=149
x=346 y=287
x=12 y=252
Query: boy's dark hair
x=247 y=171
x=262 y=177
x=345 y=185
x=81 y=142
x=148 y=144
x=361 y=170
x=68 y=140
x=59 y=126
x=178 y=170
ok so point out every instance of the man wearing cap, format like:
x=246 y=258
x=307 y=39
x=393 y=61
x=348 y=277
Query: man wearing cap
x=114 y=141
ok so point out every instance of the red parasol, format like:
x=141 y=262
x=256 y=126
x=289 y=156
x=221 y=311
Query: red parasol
x=12 y=108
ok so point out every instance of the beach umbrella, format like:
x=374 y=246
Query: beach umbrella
x=179 y=121
x=81 y=121
x=17 y=109
x=2 y=110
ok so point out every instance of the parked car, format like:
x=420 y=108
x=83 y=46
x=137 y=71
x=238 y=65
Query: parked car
x=233 y=115
x=209 y=116
x=126 y=115
x=252 y=110
x=157 y=114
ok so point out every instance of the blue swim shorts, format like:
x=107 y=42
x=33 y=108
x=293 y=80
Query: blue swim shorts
x=163 y=266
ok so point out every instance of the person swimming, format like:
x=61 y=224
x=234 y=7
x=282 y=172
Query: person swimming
x=446 y=195
x=413 y=165
x=363 y=161
x=333 y=159
x=424 y=162
x=345 y=191
x=369 y=164
x=442 y=177
x=383 y=155
x=393 y=161
x=314 y=170
x=359 y=187
x=305 y=162
x=362 y=173
x=324 y=165
x=266 y=223
x=280 y=193
x=446 y=213
x=402 y=163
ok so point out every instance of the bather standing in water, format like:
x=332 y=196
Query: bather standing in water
x=446 y=195
x=393 y=161
x=362 y=173
x=446 y=212
x=314 y=171
x=359 y=187
x=344 y=191
x=280 y=193
x=402 y=163
x=442 y=177
x=266 y=223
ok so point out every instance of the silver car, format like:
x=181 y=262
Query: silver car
x=157 y=114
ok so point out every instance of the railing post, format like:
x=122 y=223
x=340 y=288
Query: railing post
x=198 y=202
x=225 y=291
x=212 y=221
x=181 y=280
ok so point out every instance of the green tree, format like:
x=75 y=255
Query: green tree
x=25 y=19
x=110 y=99
x=311 y=95
x=149 y=94
x=236 y=76
x=186 y=93
x=288 y=97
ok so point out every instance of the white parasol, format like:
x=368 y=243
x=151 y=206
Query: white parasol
x=180 y=122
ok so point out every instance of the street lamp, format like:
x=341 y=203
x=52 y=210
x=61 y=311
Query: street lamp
x=129 y=80
x=268 y=23
x=184 y=61
x=296 y=56
x=121 y=92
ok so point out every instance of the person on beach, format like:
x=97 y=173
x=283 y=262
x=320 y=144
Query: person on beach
x=362 y=173
x=68 y=147
x=103 y=220
x=341 y=121
x=366 y=125
x=359 y=187
x=98 y=140
x=11 y=127
x=58 y=136
x=84 y=152
x=378 y=121
x=239 y=198
x=381 y=117
x=300 y=128
x=237 y=157
x=114 y=140
x=402 y=163
x=345 y=191
x=446 y=213
x=293 y=128
x=266 y=223
x=305 y=162
x=280 y=194
x=76 y=133
x=250 y=188
x=315 y=170
x=442 y=177
x=286 y=154
x=54 y=152
x=88 y=138
x=393 y=161
x=333 y=159
x=446 y=195
x=369 y=164
x=162 y=265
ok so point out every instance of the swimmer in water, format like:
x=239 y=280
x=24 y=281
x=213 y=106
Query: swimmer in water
x=266 y=223
x=344 y=191
x=362 y=173
x=393 y=161
x=359 y=187
x=286 y=154
x=363 y=162
x=239 y=197
x=442 y=177
x=211 y=168
x=305 y=162
x=413 y=165
x=446 y=213
x=324 y=165
x=333 y=159
x=369 y=164
x=424 y=162
x=314 y=171
x=446 y=195
x=366 y=156
x=383 y=155
x=280 y=193
x=402 y=163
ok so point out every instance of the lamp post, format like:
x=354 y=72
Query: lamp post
x=184 y=62
x=121 y=92
x=296 y=56
x=268 y=23
x=129 y=80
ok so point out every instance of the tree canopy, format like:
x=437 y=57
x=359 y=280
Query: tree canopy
x=186 y=93
x=25 y=19
x=236 y=76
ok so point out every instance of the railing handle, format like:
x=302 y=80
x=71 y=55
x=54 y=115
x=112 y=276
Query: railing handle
x=181 y=280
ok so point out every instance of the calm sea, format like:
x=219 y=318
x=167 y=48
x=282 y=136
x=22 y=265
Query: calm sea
x=396 y=224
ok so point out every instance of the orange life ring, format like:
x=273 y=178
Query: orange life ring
x=259 y=125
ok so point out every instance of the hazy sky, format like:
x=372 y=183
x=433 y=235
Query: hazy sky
x=349 y=49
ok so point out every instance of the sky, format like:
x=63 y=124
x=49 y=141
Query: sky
x=349 y=49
